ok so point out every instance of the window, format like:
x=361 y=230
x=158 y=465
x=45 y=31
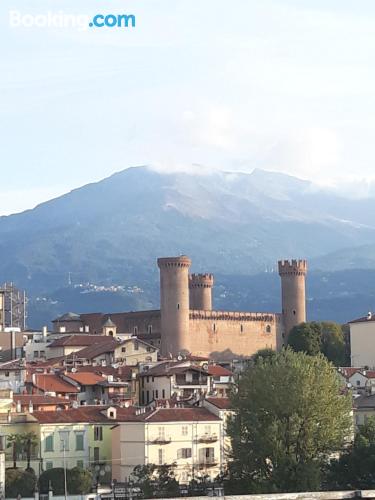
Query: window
x=48 y=443
x=147 y=397
x=152 y=379
x=98 y=433
x=163 y=393
x=184 y=430
x=64 y=440
x=207 y=429
x=36 y=354
x=148 y=379
x=358 y=382
x=80 y=464
x=149 y=329
x=206 y=455
x=42 y=354
x=136 y=345
x=161 y=456
x=110 y=333
x=214 y=327
x=178 y=306
x=7 y=374
x=157 y=394
x=96 y=454
x=161 y=431
x=123 y=349
x=184 y=453
x=135 y=330
x=79 y=442
x=268 y=329
x=241 y=328
x=143 y=382
x=49 y=465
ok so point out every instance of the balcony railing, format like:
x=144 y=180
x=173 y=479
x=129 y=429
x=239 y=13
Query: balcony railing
x=183 y=381
x=161 y=440
x=208 y=462
x=207 y=438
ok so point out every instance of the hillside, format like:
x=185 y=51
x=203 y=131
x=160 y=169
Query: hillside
x=111 y=232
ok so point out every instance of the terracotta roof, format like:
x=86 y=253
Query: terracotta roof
x=122 y=372
x=39 y=399
x=180 y=415
x=85 y=378
x=92 y=351
x=221 y=403
x=347 y=372
x=217 y=371
x=86 y=414
x=53 y=383
x=79 y=340
x=168 y=368
x=15 y=364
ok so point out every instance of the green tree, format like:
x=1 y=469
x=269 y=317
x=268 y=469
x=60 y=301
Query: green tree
x=289 y=416
x=29 y=441
x=19 y=482
x=264 y=353
x=156 y=481
x=15 y=441
x=306 y=337
x=325 y=337
x=355 y=469
x=79 y=481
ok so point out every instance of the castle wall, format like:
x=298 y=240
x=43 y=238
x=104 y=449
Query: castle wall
x=226 y=335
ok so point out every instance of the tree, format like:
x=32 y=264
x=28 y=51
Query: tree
x=306 y=337
x=355 y=469
x=79 y=481
x=28 y=442
x=156 y=481
x=264 y=353
x=325 y=337
x=289 y=416
x=16 y=442
x=19 y=482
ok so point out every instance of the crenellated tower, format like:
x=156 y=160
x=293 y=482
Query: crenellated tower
x=293 y=292
x=174 y=304
x=200 y=291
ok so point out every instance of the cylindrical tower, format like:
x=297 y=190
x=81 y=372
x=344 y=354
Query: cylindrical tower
x=200 y=288
x=174 y=304
x=293 y=292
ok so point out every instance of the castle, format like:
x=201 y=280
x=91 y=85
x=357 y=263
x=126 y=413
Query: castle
x=186 y=322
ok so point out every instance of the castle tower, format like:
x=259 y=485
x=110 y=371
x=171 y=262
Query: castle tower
x=293 y=276
x=174 y=304
x=200 y=290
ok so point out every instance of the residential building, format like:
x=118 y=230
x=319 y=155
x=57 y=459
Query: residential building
x=190 y=438
x=362 y=341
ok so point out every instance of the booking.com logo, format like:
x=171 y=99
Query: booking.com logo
x=61 y=19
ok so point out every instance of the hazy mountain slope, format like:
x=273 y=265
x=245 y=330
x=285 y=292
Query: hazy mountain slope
x=111 y=232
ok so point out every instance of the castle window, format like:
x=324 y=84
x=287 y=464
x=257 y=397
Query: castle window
x=178 y=306
x=241 y=328
x=268 y=329
x=214 y=327
x=294 y=312
x=135 y=330
x=149 y=329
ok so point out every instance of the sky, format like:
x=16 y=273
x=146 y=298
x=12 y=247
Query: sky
x=283 y=85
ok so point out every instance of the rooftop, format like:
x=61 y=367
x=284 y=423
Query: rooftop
x=221 y=403
x=85 y=378
x=53 y=383
x=77 y=340
x=219 y=371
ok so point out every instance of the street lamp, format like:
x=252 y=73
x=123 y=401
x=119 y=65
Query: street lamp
x=64 y=458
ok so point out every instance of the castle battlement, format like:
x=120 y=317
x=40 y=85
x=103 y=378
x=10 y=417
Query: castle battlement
x=170 y=262
x=201 y=280
x=292 y=267
x=233 y=316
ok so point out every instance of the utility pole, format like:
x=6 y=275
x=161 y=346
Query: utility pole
x=64 y=457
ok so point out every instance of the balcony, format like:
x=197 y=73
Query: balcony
x=160 y=440
x=207 y=438
x=181 y=381
x=208 y=462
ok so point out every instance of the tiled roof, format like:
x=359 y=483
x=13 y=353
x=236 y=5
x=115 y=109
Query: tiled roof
x=85 y=378
x=218 y=371
x=85 y=414
x=364 y=402
x=180 y=415
x=122 y=372
x=70 y=316
x=168 y=368
x=348 y=371
x=92 y=351
x=221 y=403
x=78 y=340
x=15 y=364
x=53 y=383
x=39 y=399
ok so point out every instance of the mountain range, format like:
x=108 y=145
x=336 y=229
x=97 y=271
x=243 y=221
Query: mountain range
x=95 y=248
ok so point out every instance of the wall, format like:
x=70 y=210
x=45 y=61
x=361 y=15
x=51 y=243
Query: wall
x=128 y=449
x=362 y=344
x=218 y=334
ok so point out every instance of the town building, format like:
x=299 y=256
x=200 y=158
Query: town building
x=362 y=345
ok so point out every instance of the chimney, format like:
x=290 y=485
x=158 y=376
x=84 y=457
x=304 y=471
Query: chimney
x=44 y=332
